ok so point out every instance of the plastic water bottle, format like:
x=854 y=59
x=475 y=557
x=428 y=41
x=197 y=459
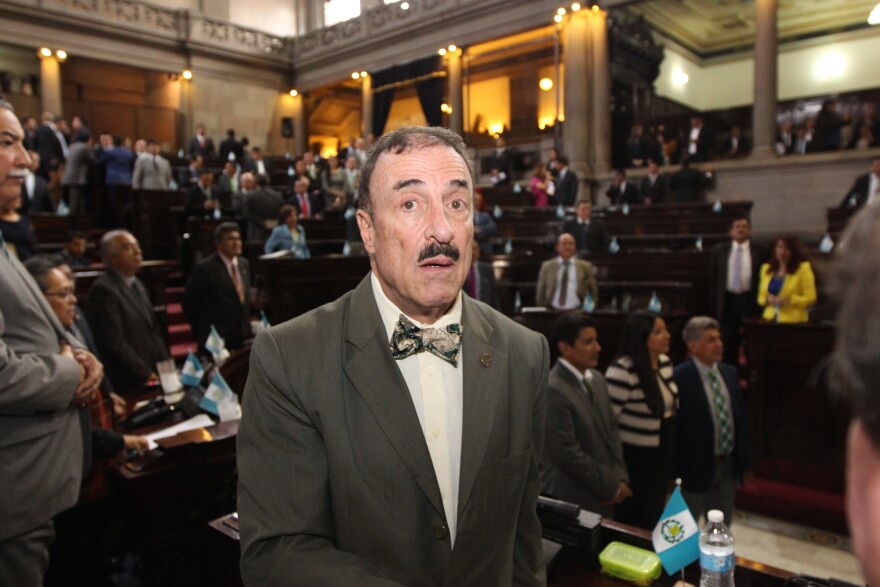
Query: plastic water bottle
x=716 y=552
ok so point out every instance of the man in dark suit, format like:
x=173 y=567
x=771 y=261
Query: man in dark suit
x=583 y=462
x=200 y=144
x=363 y=461
x=501 y=167
x=231 y=146
x=218 y=291
x=699 y=143
x=622 y=191
x=122 y=318
x=736 y=145
x=256 y=164
x=865 y=190
x=655 y=185
x=567 y=185
x=35 y=196
x=712 y=440
x=484 y=226
x=190 y=175
x=480 y=283
x=734 y=275
x=50 y=143
x=44 y=376
x=199 y=198
x=589 y=235
x=226 y=184
x=686 y=184
x=308 y=204
x=260 y=207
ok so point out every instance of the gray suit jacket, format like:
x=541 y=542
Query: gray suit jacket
x=336 y=484
x=40 y=436
x=549 y=275
x=583 y=461
x=76 y=170
x=151 y=176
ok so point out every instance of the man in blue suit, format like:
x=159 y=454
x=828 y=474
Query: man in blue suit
x=711 y=436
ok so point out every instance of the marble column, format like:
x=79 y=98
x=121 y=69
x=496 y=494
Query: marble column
x=367 y=106
x=764 y=110
x=600 y=86
x=577 y=48
x=300 y=125
x=454 y=93
x=50 y=85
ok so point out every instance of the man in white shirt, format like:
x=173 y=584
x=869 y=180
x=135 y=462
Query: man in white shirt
x=583 y=462
x=565 y=281
x=735 y=273
x=404 y=418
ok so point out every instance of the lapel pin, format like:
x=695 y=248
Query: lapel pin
x=486 y=360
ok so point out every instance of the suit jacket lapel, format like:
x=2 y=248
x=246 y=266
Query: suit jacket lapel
x=485 y=377
x=132 y=297
x=375 y=376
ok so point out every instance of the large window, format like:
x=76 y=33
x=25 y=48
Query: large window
x=336 y=11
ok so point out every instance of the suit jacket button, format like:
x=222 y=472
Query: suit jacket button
x=441 y=532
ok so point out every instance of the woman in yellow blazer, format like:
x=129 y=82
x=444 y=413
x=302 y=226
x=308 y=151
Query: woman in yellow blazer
x=787 y=288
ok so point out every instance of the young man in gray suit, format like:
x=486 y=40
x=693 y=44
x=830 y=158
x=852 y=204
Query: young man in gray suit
x=368 y=462
x=583 y=461
x=44 y=376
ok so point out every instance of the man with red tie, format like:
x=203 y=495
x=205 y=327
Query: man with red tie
x=218 y=291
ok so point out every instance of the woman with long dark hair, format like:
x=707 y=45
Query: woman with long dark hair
x=787 y=289
x=645 y=401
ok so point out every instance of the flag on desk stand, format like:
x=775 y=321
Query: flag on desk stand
x=589 y=305
x=654 y=305
x=220 y=400
x=192 y=372
x=264 y=320
x=216 y=346
x=676 y=536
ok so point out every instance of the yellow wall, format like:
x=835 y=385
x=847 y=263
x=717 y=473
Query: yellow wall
x=489 y=100
x=405 y=111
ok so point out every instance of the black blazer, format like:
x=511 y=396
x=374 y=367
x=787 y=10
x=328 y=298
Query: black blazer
x=195 y=148
x=630 y=194
x=41 y=201
x=126 y=331
x=694 y=458
x=195 y=201
x=591 y=237
x=49 y=147
x=567 y=188
x=211 y=298
x=718 y=273
x=657 y=192
x=486 y=293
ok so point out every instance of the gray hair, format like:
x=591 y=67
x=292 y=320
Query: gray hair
x=39 y=267
x=408 y=138
x=695 y=327
x=5 y=104
x=108 y=247
x=855 y=285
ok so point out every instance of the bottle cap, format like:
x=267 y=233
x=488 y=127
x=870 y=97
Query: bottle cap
x=715 y=516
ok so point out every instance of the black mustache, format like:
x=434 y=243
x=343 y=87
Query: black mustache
x=437 y=249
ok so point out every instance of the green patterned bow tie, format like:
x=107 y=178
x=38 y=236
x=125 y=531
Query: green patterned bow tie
x=408 y=339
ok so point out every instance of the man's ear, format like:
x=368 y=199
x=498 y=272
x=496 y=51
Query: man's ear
x=563 y=347
x=365 y=225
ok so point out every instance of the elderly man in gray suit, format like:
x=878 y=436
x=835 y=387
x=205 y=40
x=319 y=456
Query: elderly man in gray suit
x=371 y=463
x=583 y=461
x=44 y=376
x=152 y=171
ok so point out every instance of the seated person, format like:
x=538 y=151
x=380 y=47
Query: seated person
x=73 y=249
x=589 y=235
x=289 y=235
x=199 y=197
x=126 y=328
x=623 y=191
x=564 y=281
x=787 y=289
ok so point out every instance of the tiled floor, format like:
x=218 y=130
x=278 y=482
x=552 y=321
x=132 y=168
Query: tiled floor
x=795 y=548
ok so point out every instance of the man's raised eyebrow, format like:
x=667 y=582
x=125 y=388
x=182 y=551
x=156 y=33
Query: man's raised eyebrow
x=405 y=183
x=10 y=134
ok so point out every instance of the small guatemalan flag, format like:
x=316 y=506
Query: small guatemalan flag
x=192 y=372
x=676 y=537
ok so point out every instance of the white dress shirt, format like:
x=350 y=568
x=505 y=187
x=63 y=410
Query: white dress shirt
x=436 y=388
x=745 y=268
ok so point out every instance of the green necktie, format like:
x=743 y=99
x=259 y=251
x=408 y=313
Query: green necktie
x=590 y=392
x=725 y=426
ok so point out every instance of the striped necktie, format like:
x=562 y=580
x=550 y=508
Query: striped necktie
x=725 y=425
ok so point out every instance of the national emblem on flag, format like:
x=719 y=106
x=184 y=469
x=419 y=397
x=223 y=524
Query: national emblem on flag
x=192 y=372
x=676 y=537
x=217 y=391
x=215 y=344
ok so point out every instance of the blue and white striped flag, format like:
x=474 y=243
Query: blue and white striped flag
x=217 y=392
x=264 y=320
x=654 y=305
x=676 y=537
x=589 y=304
x=215 y=344
x=192 y=372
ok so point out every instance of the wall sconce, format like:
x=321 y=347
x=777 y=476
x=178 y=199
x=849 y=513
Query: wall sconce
x=404 y=5
x=874 y=17
x=546 y=84
x=187 y=74
x=355 y=75
x=679 y=78
x=445 y=108
x=293 y=93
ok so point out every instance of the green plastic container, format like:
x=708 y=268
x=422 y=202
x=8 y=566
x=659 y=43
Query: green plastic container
x=630 y=563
